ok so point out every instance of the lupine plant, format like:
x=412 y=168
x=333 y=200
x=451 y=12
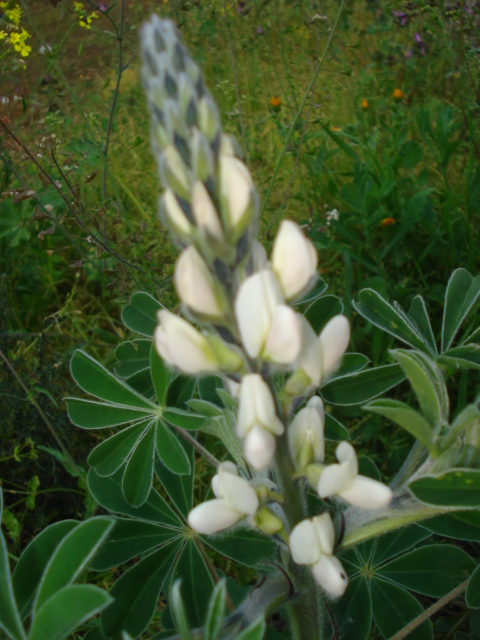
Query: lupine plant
x=249 y=369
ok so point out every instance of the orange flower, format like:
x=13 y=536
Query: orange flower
x=365 y=104
x=387 y=222
x=275 y=103
x=398 y=94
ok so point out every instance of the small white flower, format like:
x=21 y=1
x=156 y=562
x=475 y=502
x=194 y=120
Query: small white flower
x=311 y=543
x=235 y=499
x=294 y=259
x=237 y=195
x=273 y=330
x=182 y=346
x=204 y=211
x=305 y=434
x=258 y=421
x=174 y=214
x=195 y=284
x=334 y=340
x=343 y=480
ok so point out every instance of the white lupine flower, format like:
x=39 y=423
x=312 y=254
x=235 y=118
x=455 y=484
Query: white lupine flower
x=174 y=214
x=334 y=340
x=204 y=211
x=237 y=194
x=195 y=284
x=258 y=421
x=182 y=346
x=343 y=480
x=306 y=432
x=235 y=499
x=273 y=330
x=311 y=543
x=294 y=259
x=259 y=256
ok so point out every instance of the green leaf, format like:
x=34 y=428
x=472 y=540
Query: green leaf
x=108 y=493
x=197 y=583
x=357 y=388
x=179 y=613
x=374 y=308
x=170 y=451
x=133 y=356
x=396 y=542
x=367 y=467
x=136 y=594
x=111 y=454
x=93 y=378
x=472 y=595
x=161 y=376
x=215 y=611
x=312 y=294
x=97 y=415
x=394 y=608
x=180 y=391
x=130 y=538
x=183 y=419
x=204 y=408
x=246 y=546
x=179 y=488
x=465 y=420
x=466 y=357
x=71 y=557
x=323 y=310
x=207 y=388
x=351 y=362
x=10 y=620
x=33 y=561
x=433 y=570
x=410 y=154
x=353 y=611
x=255 y=631
x=224 y=427
x=140 y=315
x=66 y=610
x=334 y=430
x=138 y=476
x=404 y=416
x=418 y=314
x=462 y=293
x=455 y=488
x=461 y=526
x=428 y=384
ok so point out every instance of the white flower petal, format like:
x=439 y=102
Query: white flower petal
x=259 y=447
x=367 y=493
x=346 y=455
x=304 y=543
x=257 y=298
x=224 y=469
x=213 y=516
x=330 y=575
x=204 y=211
x=182 y=346
x=334 y=340
x=307 y=426
x=236 y=192
x=257 y=406
x=284 y=339
x=195 y=284
x=174 y=212
x=310 y=356
x=325 y=532
x=294 y=259
x=239 y=494
x=334 y=479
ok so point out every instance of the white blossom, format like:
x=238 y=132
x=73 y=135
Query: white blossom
x=343 y=481
x=334 y=340
x=305 y=434
x=234 y=500
x=204 y=211
x=182 y=346
x=195 y=284
x=311 y=543
x=294 y=259
x=237 y=195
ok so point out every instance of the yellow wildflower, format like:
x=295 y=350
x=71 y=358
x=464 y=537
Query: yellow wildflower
x=3 y=35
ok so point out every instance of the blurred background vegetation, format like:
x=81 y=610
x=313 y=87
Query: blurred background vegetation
x=382 y=167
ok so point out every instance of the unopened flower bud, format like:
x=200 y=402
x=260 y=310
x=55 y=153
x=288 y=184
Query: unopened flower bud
x=305 y=434
x=175 y=173
x=237 y=196
x=228 y=358
x=259 y=446
x=334 y=340
x=174 y=215
x=204 y=211
x=195 y=284
x=309 y=363
x=268 y=522
x=182 y=346
x=208 y=118
x=294 y=259
x=203 y=161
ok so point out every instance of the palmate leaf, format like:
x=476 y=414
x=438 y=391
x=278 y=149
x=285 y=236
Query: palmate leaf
x=133 y=356
x=140 y=315
x=111 y=454
x=246 y=546
x=418 y=313
x=352 y=612
x=462 y=293
x=323 y=310
x=138 y=475
x=455 y=488
x=178 y=488
x=170 y=451
x=362 y=386
x=466 y=357
x=98 y=415
x=405 y=416
x=473 y=590
x=215 y=611
x=463 y=525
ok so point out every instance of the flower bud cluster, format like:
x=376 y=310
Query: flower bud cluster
x=239 y=321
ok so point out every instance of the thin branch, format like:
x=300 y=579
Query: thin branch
x=202 y=451
x=428 y=613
